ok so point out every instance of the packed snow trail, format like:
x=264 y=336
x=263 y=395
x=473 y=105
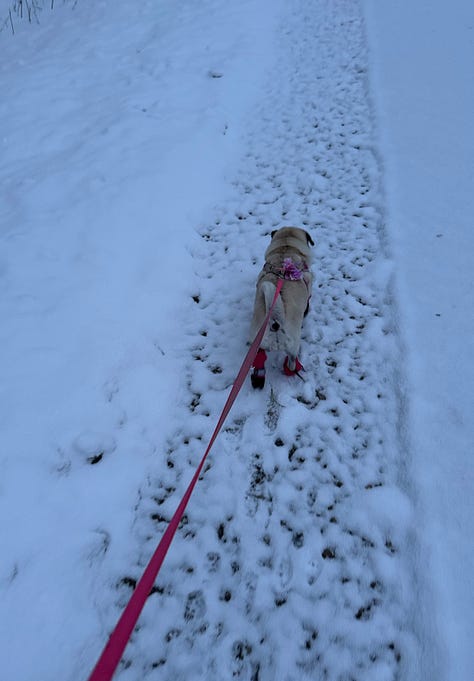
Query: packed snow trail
x=306 y=573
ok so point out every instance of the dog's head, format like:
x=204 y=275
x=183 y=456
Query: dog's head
x=293 y=232
x=292 y=242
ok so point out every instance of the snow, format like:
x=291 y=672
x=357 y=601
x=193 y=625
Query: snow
x=424 y=91
x=147 y=152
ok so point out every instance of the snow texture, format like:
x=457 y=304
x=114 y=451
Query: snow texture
x=146 y=156
x=291 y=556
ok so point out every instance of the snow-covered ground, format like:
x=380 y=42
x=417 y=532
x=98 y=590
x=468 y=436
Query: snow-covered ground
x=424 y=91
x=147 y=151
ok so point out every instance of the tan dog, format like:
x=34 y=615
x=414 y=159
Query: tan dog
x=287 y=257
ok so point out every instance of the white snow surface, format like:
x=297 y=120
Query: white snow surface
x=147 y=151
x=424 y=91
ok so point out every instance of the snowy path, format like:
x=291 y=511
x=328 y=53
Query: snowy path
x=299 y=573
x=138 y=196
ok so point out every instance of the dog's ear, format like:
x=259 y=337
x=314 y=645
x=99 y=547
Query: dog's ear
x=273 y=233
x=309 y=239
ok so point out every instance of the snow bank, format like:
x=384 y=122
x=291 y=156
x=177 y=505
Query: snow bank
x=424 y=88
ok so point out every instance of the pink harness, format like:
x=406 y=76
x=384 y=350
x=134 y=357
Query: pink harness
x=290 y=270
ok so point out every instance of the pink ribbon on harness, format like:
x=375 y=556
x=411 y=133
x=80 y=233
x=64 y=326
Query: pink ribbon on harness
x=291 y=270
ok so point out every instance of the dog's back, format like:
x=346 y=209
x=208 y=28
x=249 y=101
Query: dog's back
x=284 y=328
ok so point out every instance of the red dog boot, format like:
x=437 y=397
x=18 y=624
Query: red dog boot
x=291 y=372
x=258 y=369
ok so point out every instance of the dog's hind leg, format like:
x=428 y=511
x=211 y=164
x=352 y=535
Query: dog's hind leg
x=292 y=365
x=259 y=312
x=307 y=307
x=257 y=376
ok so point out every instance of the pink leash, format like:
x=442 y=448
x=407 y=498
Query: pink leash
x=113 y=651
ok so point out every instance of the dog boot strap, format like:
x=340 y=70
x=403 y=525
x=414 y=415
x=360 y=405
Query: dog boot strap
x=289 y=372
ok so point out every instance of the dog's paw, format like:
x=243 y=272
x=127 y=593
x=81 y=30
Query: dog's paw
x=292 y=372
x=257 y=378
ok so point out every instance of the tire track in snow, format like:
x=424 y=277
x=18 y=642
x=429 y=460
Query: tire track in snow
x=291 y=560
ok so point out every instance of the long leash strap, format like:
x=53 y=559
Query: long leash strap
x=113 y=651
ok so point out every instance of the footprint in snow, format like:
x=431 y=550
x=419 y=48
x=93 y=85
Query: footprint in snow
x=93 y=446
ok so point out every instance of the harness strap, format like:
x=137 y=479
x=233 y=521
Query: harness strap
x=289 y=271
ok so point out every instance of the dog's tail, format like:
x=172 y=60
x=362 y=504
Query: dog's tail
x=276 y=320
